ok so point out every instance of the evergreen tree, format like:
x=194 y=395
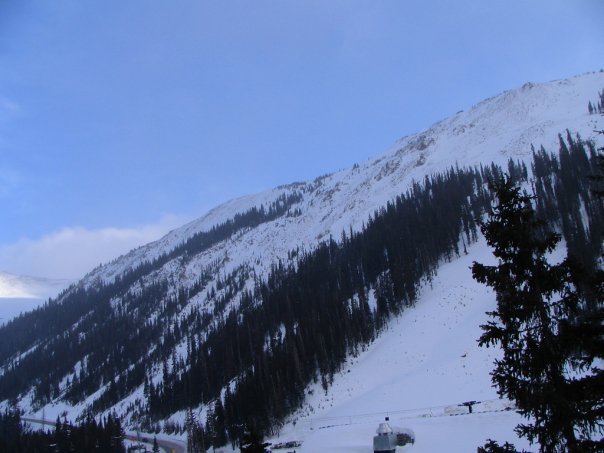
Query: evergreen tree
x=219 y=424
x=195 y=434
x=11 y=431
x=540 y=324
x=252 y=443
x=493 y=447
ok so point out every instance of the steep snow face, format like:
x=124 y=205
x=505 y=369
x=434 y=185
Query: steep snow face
x=494 y=130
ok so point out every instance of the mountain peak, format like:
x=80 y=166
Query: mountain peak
x=168 y=297
x=494 y=130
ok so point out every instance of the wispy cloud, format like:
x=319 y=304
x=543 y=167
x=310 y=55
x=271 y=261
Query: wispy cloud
x=72 y=252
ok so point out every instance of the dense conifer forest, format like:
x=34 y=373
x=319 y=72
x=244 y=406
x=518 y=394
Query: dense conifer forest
x=109 y=334
x=252 y=363
x=105 y=435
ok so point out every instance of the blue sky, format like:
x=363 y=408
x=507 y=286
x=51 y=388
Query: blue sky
x=122 y=119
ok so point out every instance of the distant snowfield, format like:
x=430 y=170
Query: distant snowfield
x=428 y=359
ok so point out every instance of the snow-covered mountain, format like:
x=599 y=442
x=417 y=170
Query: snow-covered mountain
x=304 y=214
x=495 y=130
x=417 y=373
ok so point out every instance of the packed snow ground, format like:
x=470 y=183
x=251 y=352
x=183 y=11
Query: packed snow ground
x=425 y=364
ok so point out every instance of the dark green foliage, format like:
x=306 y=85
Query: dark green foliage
x=11 y=432
x=219 y=434
x=196 y=438
x=544 y=326
x=597 y=178
x=252 y=443
x=493 y=447
x=106 y=436
x=301 y=323
x=597 y=107
x=564 y=196
x=111 y=335
x=264 y=341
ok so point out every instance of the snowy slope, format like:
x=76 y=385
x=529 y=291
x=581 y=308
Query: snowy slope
x=494 y=130
x=426 y=363
x=436 y=362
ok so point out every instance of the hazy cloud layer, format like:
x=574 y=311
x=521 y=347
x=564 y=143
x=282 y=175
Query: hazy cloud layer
x=74 y=251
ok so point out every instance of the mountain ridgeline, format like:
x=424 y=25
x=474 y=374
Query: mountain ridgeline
x=236 y=317
x=91 y=308
x=301 y=324
x=137 y=340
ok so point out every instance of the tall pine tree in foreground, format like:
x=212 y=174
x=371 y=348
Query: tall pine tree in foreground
x=550 y=341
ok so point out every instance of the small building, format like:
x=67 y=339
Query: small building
x=385 y=440
x=388 y=438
